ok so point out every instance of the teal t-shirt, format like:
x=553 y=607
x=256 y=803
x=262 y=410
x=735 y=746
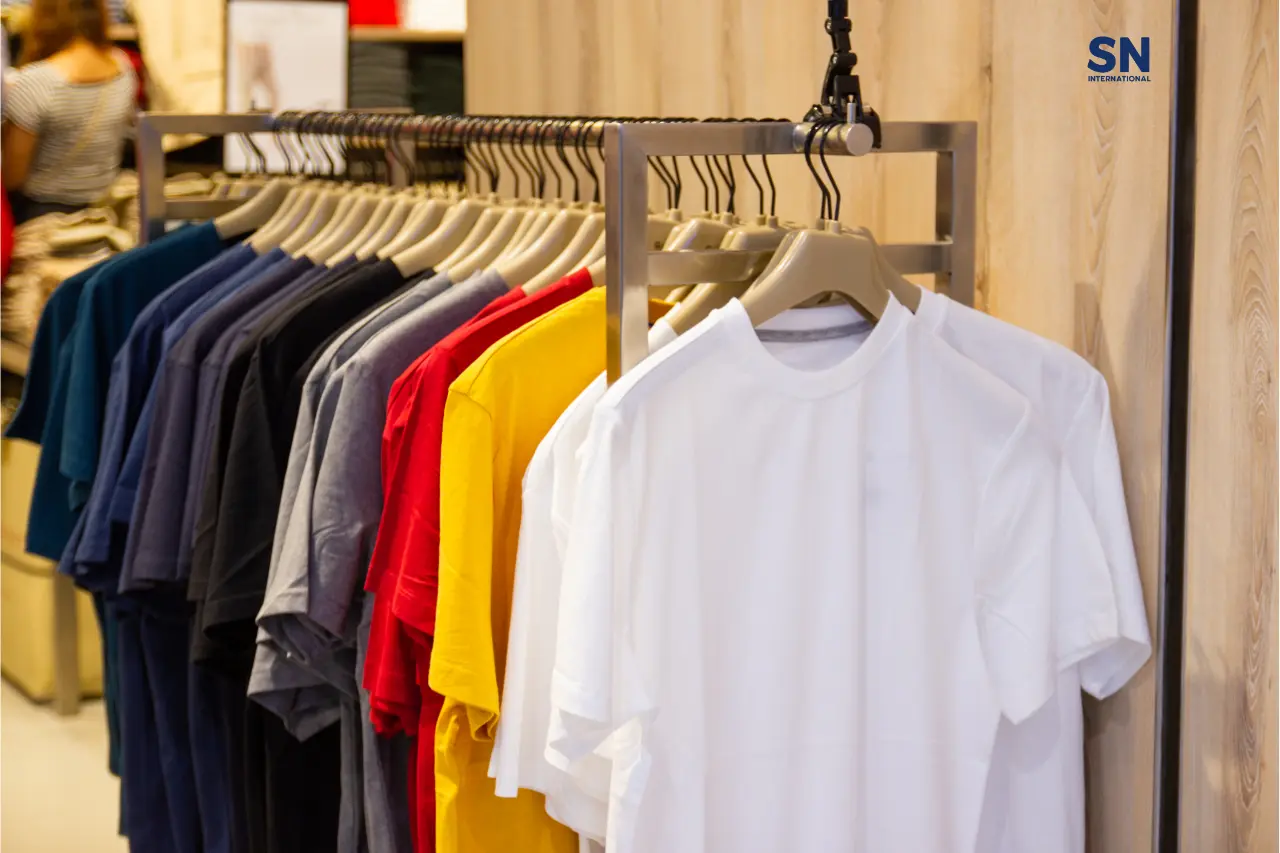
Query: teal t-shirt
x=108 y=304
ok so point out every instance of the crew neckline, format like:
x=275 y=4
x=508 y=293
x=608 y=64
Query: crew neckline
x=753 y=357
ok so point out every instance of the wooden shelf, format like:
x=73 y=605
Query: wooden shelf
x=122 y=32
x=397 y=35
x=14 y=357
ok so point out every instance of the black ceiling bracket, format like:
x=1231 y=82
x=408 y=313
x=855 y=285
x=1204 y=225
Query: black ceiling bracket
x=841 y=97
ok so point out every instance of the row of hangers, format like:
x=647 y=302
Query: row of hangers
x=453 y=217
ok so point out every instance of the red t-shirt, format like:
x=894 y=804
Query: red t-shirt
x=395 y=699
x=405 y=563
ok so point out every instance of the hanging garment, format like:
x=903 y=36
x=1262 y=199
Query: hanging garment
x=936 y=569
x=546 y=514
x=496 y=413
x=403 y=568
x=1035 y=790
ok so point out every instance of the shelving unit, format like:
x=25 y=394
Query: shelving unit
x=401 y=36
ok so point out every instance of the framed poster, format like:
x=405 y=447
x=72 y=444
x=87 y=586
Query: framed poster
x=282 y=55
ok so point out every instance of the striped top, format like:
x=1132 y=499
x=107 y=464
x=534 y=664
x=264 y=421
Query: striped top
x=80 y=129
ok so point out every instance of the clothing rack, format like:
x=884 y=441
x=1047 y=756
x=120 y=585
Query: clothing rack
x=632 y=269
x=627 y=146
x=155 y=211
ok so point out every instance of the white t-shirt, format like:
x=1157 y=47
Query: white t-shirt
x=803 y=584
x=518 y=759
x=1035 y=792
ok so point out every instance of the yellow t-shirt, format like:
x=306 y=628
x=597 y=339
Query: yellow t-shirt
x=496 y=413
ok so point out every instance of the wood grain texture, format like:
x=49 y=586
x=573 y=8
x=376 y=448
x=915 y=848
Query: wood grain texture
x=1072 y=193
x=1229 y=739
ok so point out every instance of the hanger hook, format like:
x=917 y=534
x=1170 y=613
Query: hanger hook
x=808 y=161
x=564 y=158
x=826 y=167
x=706 y=190
x=730 y=179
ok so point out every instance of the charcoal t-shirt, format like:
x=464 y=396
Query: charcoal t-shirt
x=258 y=448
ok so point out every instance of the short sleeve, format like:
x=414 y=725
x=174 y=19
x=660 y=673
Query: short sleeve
x=1034 y=620
x=347 y=502
x=463 y=658
x=1094 y=460
x=596 y=685
x=26 y=99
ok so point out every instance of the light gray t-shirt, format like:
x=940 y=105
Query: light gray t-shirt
x=80 y=129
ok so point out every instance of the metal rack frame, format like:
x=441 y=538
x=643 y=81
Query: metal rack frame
x=155 y=211
x=632 y=269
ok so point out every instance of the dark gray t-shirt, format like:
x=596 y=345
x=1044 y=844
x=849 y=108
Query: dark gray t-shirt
x=322 y=548
x=306 y=663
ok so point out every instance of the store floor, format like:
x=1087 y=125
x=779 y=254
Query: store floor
x=56 y=795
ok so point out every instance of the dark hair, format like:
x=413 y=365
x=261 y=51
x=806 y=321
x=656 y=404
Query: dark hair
x=57 y=23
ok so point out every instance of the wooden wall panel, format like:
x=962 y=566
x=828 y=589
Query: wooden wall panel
x=1072 y=191
x=1229 y=737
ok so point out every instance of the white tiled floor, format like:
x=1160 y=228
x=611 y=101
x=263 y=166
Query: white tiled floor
x=56 y=795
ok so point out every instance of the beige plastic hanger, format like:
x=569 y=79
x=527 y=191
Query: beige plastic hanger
x=519 y=269
x=438 y=245
x=280 y=227
x=462 y=264
x=818 y=261
x=762 y=234
x=536 y=225
x=424 y=219
x=325 y=250
x=904 y=291
x=319 y=214
x=254 y=213
x=660 y=229
x=367 y=227
x=346 y=200
x=589 y=233
x=402 y=206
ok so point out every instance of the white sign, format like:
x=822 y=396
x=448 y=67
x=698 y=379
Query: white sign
x=282 y=55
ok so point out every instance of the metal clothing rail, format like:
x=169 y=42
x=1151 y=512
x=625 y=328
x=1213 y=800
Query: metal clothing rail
x=632 y=269
x=155 y=211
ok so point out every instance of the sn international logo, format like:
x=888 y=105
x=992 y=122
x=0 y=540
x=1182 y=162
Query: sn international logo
x=1104 y=60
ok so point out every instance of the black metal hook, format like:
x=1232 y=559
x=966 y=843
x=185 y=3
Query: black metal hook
x=808 y=161
x=826 y=167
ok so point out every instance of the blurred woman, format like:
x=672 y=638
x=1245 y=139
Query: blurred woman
x=68 y=108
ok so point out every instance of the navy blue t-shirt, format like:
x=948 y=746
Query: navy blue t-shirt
x=154 y=535
x=132 y=375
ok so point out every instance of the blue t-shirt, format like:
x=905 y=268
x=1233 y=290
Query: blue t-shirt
x=295 y=275
x=151 y=550
x=105 y=311
x=125 y=492
x=132 y=374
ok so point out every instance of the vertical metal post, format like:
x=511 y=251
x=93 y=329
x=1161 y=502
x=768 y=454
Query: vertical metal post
x=944 y=215
x=626 y=251
x=962 y=163
x=148 y=149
